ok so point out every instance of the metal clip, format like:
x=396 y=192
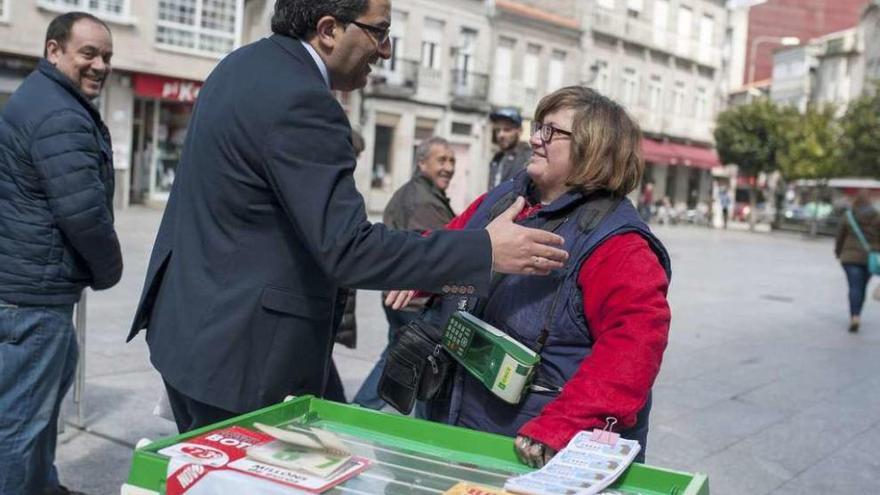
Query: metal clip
x=434 y=367
x=606 y=435
x=463 y=304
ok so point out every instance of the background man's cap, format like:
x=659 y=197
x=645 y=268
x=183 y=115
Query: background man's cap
x=507 y=113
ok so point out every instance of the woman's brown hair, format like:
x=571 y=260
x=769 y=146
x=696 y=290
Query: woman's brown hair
x=606 y=144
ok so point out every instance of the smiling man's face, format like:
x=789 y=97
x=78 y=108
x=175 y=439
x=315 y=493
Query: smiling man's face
x=85 y=57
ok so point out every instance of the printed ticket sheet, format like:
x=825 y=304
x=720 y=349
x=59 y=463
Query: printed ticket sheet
x=583 y=467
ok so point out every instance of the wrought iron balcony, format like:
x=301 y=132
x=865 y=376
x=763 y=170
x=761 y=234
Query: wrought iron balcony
x=396 y=78
x=469 y=91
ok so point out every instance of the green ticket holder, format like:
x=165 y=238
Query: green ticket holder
x=501 y=363
x=411 y=456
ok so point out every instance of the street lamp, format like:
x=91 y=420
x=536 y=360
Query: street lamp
x=784 y=41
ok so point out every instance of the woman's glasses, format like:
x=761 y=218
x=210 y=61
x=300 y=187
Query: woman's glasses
x=547 y=131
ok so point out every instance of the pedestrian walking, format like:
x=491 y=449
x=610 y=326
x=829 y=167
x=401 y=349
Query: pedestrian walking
x=513 y=154
x=646 y=202
x=858 y=234
x=419 y=205
x=56 y=238
x=264 y=223
x=724 y=200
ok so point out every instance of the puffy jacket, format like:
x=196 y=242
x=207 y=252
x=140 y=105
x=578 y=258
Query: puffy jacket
x=56 y=194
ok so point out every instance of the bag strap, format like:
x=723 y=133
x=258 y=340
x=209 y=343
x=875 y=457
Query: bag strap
x=858 y=230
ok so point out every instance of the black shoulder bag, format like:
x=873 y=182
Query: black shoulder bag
x=417 y=366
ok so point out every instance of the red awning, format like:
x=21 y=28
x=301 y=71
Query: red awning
x=679 y=154
x=657 y=152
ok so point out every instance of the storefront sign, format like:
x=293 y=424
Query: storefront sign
x=166 y=88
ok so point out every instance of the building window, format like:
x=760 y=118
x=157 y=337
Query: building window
x=606 y=4
x=630 y=86
x=701 y=109
x=655 y=93
x=530 y=66
x=384 y=138
x=634 y=8
x=503 y=70
x=685 y=29
x=461 y=128
x=556 y=74
x=432 y=39
x=398 y=34
x=603 y=76
x=4 y=11
x=661 y=21
x=707 y=33
x=210 y=27
x=678 y=98
x=105 y=8
x=464 y=54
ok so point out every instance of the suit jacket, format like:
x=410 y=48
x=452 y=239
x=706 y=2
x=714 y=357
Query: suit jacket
x=263 y=225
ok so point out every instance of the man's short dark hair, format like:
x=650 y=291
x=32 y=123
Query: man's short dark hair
x=60 y=27
x=298 y=18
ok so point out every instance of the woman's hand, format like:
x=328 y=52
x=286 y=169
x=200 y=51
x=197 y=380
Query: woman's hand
x=533 y=452
x=398 y=299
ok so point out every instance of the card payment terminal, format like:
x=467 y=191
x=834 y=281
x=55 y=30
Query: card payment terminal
x=500 y=362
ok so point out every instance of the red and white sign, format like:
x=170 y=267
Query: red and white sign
x=166 y=88
x=217 y=462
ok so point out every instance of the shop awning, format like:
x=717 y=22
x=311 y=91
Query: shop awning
x=166 y=88
x=679 y=154
x=657 y=152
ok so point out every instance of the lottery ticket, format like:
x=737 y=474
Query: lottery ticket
x=583 y=467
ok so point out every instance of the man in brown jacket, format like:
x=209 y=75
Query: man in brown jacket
x=420 y=204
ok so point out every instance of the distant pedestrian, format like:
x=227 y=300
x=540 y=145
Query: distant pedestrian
x=860 y=227
x=56 y=238
x=421 y=204
x=513 y=154
x=646 y=200
x=724 y=200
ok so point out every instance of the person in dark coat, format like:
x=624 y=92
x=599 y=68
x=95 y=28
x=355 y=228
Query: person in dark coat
x=419 y=205
x=56 y=238
x=264 y=223
x=852 y=255
x=513 y=154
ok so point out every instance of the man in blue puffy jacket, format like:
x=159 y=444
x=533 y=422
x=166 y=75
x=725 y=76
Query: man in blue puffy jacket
x=56 y=238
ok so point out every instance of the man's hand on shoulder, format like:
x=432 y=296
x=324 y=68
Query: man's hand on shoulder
x=523 y=251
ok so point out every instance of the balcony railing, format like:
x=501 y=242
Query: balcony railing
x=469 y=90
x=395 y=78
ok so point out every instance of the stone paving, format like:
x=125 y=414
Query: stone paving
x=761 y=387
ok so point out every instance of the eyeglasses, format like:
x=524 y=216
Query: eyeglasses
x=547 y=131
x=381 y=35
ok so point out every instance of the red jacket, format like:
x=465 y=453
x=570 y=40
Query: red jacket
x=624 y=292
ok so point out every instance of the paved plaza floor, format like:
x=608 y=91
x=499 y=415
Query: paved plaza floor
x=762 y=388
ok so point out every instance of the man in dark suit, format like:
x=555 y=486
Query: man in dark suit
x=264 y=223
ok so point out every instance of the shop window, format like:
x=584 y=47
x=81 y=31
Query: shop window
x=170 y=134
x=209 y=27
x=383 y=140
x=114 y=9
